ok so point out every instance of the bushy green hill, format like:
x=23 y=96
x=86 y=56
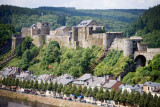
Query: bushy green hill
x=114 y=20
x=147 y=26
x=114 y=64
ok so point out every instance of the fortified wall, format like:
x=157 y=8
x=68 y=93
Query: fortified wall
x=87 y=34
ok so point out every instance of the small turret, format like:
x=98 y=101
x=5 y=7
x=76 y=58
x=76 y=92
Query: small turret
x=128 y=47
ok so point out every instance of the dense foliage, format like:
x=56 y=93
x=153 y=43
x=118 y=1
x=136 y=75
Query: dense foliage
x=151 y=72
x=147 y=26
x=125 y=98
x=50 y=58
x=26 y=51
x=6 y=31
x=113 y=64
x=114 y=20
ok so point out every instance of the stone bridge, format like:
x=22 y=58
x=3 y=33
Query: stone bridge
x=141 y=57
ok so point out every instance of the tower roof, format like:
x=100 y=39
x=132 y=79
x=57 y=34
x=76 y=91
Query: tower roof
x=85 y=23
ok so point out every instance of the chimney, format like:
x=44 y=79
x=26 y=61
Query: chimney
x=106 y=77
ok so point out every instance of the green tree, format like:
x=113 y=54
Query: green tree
x=31 y=84
x=94 y=92
x=17 y=82
x=55 y=86
x=23 y=83
x=148 y=99
x=153 y=101
x=50 y=54
x=89 y=92
x=79 y=90
x=106 y=95
x=4 y=81
x=73 y=90
x=27 y=84
x=19 y=50
x=60 y=87
x=117 y=96
x=27 y=43
x=142 y=99
x=84 y=90
x=45 y=86
x=130 y=99
x=112 y=94
x=100 y=95
x=158 y=102
x=40 y=86
x=26 y=59
x=68 y=89
x=123 y=97
x=136 y=97
x=50 y=86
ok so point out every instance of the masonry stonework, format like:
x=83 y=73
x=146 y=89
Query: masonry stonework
x=86 y=34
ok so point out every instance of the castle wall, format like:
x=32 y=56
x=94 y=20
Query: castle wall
x=16 y=41
x=94 y=39
x=26 y=32
x=142 y=47
x=110 y=38
x=38 y=40
x=62 y=40
x=118 y=44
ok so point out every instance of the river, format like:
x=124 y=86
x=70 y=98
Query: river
x=10 y=102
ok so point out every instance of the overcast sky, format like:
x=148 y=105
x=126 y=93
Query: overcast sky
x=85 y=4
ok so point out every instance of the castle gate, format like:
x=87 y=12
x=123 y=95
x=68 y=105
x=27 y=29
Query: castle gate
x=140 y=57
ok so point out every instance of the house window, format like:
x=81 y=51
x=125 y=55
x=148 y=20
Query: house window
x=148 y=88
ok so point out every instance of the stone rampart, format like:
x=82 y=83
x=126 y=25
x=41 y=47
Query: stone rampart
x=62 y=40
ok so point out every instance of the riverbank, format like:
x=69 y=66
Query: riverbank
x=45 y=100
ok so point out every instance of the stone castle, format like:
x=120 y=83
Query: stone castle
x=87 y=34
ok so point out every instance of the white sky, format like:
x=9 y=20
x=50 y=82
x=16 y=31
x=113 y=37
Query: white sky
x=85 y=4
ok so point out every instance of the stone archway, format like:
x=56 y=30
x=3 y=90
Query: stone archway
x=140 y=61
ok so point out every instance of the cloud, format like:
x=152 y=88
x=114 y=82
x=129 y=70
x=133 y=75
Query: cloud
x=85 y=4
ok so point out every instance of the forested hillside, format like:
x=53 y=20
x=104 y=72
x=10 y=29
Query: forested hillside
x=114 y=20
x=147 y=26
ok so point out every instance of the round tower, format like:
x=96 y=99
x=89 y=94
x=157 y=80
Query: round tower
x=43 y=28
x=128 y=47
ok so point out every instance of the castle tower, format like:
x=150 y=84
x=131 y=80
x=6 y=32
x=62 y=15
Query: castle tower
x=75 y=36
x=43 y=28
x=128 y=47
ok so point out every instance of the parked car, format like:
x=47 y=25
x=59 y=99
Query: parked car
x=83 y=101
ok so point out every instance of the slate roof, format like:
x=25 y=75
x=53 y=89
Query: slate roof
x=109 y=84
x=152 y=84
x=85 y=77
x=64 y=79
x=136 y=88
x=85 y=23
x=96 y=81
